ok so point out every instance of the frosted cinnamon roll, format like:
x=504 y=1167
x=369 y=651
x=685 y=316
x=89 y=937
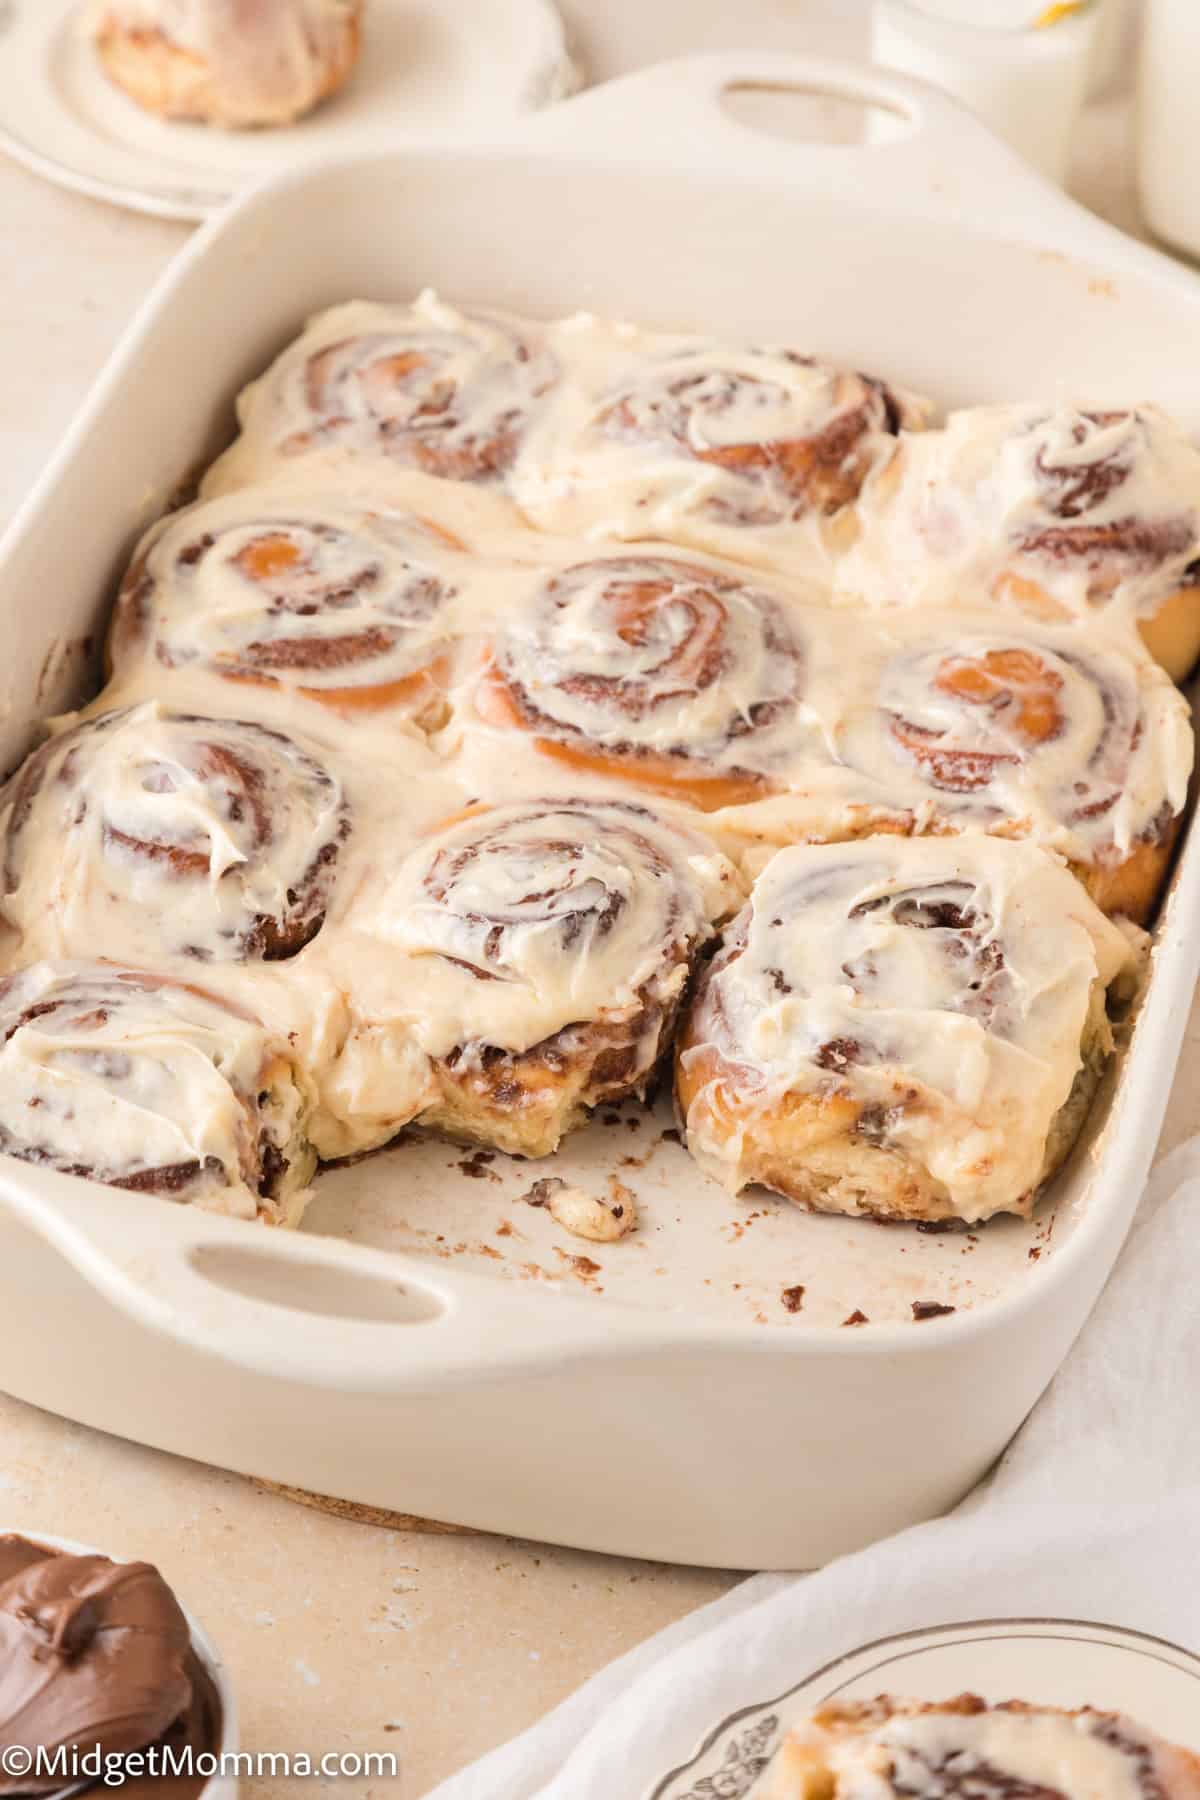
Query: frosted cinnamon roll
x=947 y=1750
x=1066 y=514
x=227 y=62
x=422 y=387
x=970 y=724
x=755 y=452
x=143 y=1083
x=901 y=1028
x=149 y=832
x=341 y=605
x=668 y=674
x=537 y=954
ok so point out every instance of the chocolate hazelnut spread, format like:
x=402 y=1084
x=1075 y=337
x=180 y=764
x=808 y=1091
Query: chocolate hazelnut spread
x=98 y=1655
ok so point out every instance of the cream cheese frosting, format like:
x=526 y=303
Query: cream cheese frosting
x=424 y=386
x=150 y=1084
x=745 y=449
x=946 y=984
x=1063 y=510
x=516 y=921
x=147 y=831
x=268 y=60
x=876 y=1750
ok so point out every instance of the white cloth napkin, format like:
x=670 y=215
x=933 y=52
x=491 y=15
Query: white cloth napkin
x=1094 y=1512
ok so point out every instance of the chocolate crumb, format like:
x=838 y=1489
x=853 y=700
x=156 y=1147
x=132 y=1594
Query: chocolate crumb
x=541 y=1191
x=931 y=1309
x=671 y=1136
x=857 y=1318
x=611 y=1118
x=793 y=1298
x=475 y=1166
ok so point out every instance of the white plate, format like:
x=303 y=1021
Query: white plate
x=1055 y=1662
x=428 y=66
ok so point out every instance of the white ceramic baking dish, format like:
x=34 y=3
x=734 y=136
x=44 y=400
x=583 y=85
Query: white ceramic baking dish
x=430 y=1343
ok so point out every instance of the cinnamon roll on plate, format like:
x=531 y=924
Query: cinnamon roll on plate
x=1066 y=514
x=139 y=1082
x=343 y=605
x=753 y=451
x=422 y=387
x=901 y=1028
x=676 y=676
x=945 y=722
x=933 y=1750
x=536 y=955
x=151 y=833
x=235 y=63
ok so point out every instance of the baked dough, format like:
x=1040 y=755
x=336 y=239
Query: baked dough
x=901 y=1028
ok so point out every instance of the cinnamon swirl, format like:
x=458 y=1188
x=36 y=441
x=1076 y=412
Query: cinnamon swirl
x=143 y=1083
x=901 y=1028
x=536 y=954
x=341 y=605
x=677 y=676
x=422 y=387
x=951 y=1749
x=227 y=62
x=1065 y=514
x=156 y=833
x=756 y=452
x=964 y=722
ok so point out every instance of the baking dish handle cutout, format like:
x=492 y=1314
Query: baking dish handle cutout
x=926 y=155
x=300 y=1307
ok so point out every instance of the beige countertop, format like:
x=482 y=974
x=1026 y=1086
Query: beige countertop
x=340 y=1635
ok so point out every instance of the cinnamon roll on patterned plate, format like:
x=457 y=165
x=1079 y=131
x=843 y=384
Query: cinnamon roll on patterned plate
x=227 y=62
x=422 y=387
x=538 y=953
x=342 y=605
x=946 y=1750
x=756 y=452
x=143 y=1083
x=963 y=722
x=147 y=832
x=674 y=675
x=1066 y=514
x=901 y=1028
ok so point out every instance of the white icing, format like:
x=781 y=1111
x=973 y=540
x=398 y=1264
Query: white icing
x=518 y=921
x=128 y=1074
x=145 y=832
x=946 y=982
x=425 y=386
x=966 y=509
x=651 y=653
x=651 y=434
x=315 y=592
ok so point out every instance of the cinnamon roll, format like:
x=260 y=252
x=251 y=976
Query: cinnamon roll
x=948 y=1750
x=150 y=832
x=342 y=605
x=422 y=387
x=536 y=955
x=1066 y=514
x=958 y=722
x=757 y=452
x=143 y=1083
x=677 y=676
x=234 y=63
x=901 y=1028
